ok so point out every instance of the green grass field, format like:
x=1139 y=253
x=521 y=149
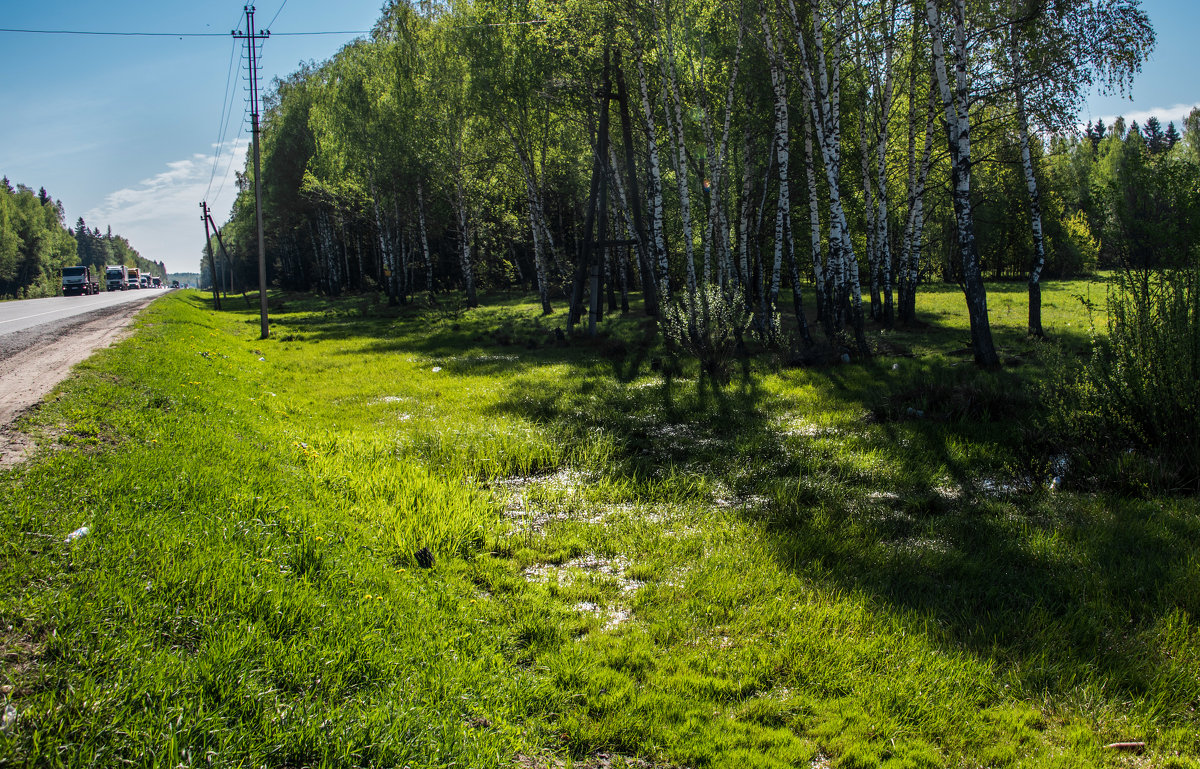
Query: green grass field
x=854 y=566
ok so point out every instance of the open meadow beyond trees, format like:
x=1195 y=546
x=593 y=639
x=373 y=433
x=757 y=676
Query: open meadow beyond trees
x=436 y=536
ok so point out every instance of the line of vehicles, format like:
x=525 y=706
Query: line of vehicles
x=80 y=280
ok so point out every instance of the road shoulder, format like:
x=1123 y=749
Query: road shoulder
x=35 y=362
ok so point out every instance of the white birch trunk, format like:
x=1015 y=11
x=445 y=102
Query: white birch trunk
x=676 y=127
x=1035 y=205
x=958 y=121
x=780 y=139
x=655 y=187
x=424 y=237
x=814 y=223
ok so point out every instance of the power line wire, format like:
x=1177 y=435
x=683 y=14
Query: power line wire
x=226 y=113
x=276 y=16
x=169 y=34
x=111 y=34
x=314 y=33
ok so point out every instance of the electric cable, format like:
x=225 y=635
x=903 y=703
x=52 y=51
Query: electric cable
x=226 y=112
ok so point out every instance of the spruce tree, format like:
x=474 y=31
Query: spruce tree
x=1155 y=141
x=1171 y=136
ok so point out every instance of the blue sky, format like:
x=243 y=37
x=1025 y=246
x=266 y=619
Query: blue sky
x=124 y=130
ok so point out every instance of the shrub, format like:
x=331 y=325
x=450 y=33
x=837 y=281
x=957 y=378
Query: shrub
x=1140 y=390
x=708 y=326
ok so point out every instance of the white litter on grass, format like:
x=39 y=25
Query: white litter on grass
x=79 y=533
x=436 y=369
x=263 y=359
x=591 y=564
x=9 y=721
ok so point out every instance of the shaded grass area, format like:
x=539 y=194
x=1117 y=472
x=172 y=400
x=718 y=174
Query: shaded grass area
x=857 y=566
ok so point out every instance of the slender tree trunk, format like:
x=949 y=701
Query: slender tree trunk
x=783 y=208
x=654 y=189
x=743 y=242
x=676 y=127
x=1035 y=204
x=814 y=228
x=464 y=236
x=825 y=104
x=914 y=230
x=883 y=239
x=424 y=238
x=869 y=215
x=959 y=128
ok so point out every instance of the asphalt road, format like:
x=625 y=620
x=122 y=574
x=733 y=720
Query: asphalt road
x=42 y=339
x=30 y=313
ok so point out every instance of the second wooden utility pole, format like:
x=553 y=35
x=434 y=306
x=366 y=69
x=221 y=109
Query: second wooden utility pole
x=212 y=260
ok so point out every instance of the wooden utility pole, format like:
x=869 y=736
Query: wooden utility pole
x=592 y=252
x=251 y=37
x=212 y=262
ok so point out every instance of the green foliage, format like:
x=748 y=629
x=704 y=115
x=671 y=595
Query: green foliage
x=34 y=246
x=1133 y=409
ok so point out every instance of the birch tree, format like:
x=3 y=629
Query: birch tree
x=956 y=103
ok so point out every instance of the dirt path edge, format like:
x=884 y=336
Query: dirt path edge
x=34 y=362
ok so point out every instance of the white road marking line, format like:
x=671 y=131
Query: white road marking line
x=37 y=315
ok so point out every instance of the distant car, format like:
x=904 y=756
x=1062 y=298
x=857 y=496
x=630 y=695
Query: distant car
x=174 y=284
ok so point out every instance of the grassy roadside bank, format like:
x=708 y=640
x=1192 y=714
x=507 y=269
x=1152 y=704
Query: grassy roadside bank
x=791 y=570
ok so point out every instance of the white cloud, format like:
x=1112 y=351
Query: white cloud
x=1173 y=114
x=160 y=216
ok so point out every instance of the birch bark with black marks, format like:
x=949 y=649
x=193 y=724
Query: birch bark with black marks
x=539 y=231
x=914 y=226
x=814 y=228
x=673 y=99
x=783 y=207
x=654 y=191
x=424 y=238
x=624 y=210
x=883 y=236
x=824 y=98
x=957 y=104
x=717 y=243
x=385 y=247
x=743 y=237
x=1035 y=204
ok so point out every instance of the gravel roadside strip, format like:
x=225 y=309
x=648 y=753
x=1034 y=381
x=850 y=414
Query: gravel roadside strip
x=32 y=362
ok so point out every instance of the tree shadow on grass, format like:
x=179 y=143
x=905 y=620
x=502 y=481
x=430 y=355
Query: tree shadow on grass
x=944 y=520
x=940 y=517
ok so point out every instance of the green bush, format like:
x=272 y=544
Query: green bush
x=1133 y=408
x=708 y=326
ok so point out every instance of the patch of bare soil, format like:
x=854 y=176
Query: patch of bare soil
x=35 y=363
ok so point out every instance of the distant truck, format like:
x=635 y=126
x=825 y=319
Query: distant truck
x=135 y=278
x=157 y=282
x=145 y=282
x=79 y=280
x=116 y=277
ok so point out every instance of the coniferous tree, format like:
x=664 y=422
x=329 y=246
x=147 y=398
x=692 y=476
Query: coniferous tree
x=1171 y=136
x=1155 y=141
